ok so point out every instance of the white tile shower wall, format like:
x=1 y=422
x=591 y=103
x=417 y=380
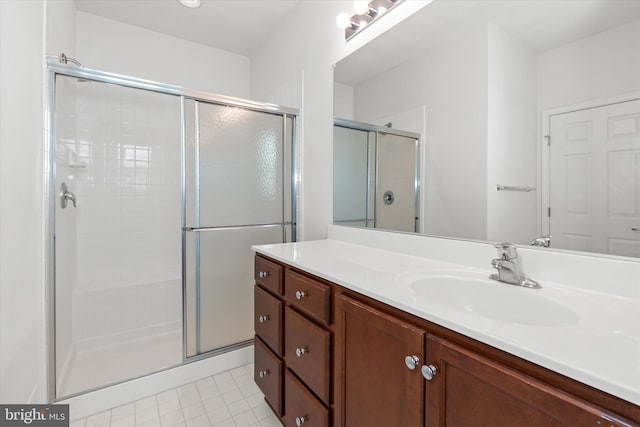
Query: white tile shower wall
x=126 y=154
x=111 y=315
x=129 y=192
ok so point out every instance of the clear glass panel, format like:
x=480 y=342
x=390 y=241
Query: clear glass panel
x=118 y=293
x=220 y=285
x=396 y=158
x=350 y=175
x=239 y=166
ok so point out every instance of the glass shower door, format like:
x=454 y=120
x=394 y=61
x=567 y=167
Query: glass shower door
x=396 y=189
x=353 y=176
x=235 y=197
x=116 y=234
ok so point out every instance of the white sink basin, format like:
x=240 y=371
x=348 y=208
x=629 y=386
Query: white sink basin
x=492 y=299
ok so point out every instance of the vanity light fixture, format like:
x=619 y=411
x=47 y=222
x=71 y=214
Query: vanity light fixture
x=190 y=3
x=365 y=12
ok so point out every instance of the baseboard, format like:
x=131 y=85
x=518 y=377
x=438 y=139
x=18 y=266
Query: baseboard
x=129 y=391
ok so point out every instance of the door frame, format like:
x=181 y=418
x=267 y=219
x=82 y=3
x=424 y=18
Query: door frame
x=543 y=202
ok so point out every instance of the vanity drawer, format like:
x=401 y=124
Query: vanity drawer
x=268 y=274
x=268 y=375
x=268 y=319
x=308 y=295
x=301 y=407
x=308 y=352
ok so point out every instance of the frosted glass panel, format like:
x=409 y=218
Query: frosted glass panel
x=225 y=284
x=397 y=175
x=240 y=166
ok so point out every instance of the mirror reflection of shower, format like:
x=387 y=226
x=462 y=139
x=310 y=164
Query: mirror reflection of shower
x=375 y=176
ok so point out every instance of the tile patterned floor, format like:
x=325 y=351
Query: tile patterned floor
x=228 y=399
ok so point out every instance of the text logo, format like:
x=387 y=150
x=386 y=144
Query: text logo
x=34 y=415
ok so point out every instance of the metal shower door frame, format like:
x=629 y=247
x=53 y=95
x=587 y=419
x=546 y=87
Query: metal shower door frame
x=376 y=130
x=198 y=229
x=55 y=69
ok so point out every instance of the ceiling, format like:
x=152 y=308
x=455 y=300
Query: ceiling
x=238 y=26
x=539 y=24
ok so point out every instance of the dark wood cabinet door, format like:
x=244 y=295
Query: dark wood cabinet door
x=268 y=375
x=308 y=295
x=268 y=274
x=373 y=385
x=308 y=353
x=470 y=390
x=268 y=319
x=301 y=407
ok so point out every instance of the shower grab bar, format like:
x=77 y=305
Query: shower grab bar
x=526 y=189
x=236 y=227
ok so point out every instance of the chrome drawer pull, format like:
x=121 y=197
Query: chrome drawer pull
x=263 y=274
x=301 y=294
x=263 y=319
x=263 y=373
x=301 y=420
x=412 y=362
x=301 y=351
x=428 y=372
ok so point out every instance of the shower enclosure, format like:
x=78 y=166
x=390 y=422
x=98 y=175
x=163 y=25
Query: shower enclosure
x=375 y=176
x=156 y=194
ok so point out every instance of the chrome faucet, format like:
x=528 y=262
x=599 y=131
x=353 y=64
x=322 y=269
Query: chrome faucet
x=544 y=241
x=509 y=268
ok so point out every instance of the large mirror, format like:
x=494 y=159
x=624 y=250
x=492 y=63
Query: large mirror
x=528 y=113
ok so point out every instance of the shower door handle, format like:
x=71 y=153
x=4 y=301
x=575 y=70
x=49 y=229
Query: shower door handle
x=66 y=195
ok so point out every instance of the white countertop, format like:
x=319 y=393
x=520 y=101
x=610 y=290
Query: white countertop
x=599 y=346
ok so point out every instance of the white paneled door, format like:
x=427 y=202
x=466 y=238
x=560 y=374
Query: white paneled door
x=595 y=179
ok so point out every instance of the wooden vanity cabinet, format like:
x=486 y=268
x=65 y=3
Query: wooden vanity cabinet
x=268 y=323
x=293 y=351
x=375 y=384
x=367 y=370
x=469 y=390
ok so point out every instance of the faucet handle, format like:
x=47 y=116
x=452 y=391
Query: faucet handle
x=506 y=250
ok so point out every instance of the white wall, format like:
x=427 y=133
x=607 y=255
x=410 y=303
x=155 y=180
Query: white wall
x=60 y=37
x=301 y=75
x=595 y=67
x=451 y=81
x=108 y=45
x=511 y=142
x=22 y=305
x=343 y=101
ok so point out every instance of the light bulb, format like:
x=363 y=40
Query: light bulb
x=381 y=10
x=343 y=21
x=361 y=7
x=363 y=23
